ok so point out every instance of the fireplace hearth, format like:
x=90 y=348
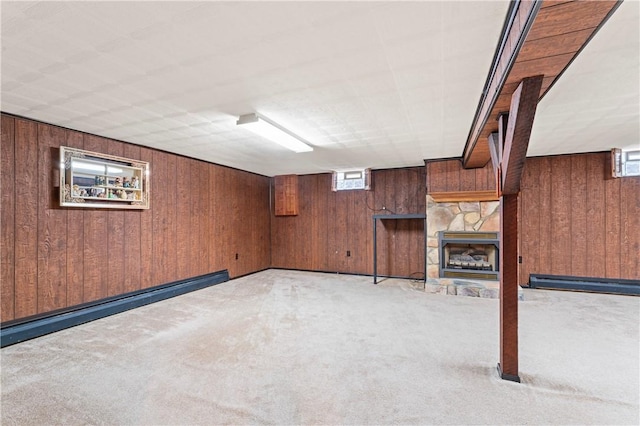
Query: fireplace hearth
x=468 y=254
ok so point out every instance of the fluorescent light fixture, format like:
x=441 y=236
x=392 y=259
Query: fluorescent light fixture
x=275 y=133
x=78 y=165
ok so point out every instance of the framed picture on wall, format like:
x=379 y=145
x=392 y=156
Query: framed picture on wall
x=94 y=180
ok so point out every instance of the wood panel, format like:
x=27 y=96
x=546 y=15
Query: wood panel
x=233 y=223
x=387 y=233
x=331 y=223
x=26 y=218
x=569 y=18
x=529 y=229
x=320 y=188
x=7 y=218
x=216 y=210
x=56 y=257
x=95 y=249
x=183 y=210
x=332 y=235
x=132 y=237
x=261 y=236
x=436 y=176
x=342 y=224
x=557 y=45
x=613 y=226
x=52 y=234
x=453 y=176
x=545 y=239
x=577 y=221
x=630 y=224
x=199 y=223
x=448 y=176
x=561 y=216
x=286 y=195
x=146 y=227
x=163 y=218
x=75 y=239
x=578 y=215
x=115 y=233
x=596 y=202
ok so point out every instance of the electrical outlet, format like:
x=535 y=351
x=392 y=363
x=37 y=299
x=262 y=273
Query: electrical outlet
x=348 y=253
x=236 y=256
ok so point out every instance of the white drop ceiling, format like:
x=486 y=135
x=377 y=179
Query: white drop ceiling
x=367 y=84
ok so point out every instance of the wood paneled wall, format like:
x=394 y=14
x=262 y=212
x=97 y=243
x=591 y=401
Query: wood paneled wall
x=449 y=176
x=201 y=215
x=331 y=223
x=575 y=220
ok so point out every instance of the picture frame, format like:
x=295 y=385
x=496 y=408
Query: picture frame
x=94 y=180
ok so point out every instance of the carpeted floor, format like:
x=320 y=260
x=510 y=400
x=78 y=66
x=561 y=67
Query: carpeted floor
x=286 y=347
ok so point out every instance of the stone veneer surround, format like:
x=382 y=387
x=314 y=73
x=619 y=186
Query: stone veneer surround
x=462 y=216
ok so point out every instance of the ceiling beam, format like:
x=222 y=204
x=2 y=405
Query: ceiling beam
x=543 y=37
x=519 y=20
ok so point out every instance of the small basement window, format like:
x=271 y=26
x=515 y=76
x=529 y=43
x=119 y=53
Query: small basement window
x=625 y=163
x=352 y=179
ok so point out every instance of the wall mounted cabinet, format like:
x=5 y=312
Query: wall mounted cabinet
x=286 y=194
x=91 y=179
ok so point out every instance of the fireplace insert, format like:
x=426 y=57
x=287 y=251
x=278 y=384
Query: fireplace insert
x=469 y=254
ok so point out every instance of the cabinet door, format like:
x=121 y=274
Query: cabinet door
x=286 y=194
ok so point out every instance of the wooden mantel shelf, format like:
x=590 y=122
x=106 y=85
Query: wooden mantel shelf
x=458 y=196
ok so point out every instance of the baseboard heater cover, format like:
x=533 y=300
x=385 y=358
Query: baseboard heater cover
x=594 y=285
x=17 y=331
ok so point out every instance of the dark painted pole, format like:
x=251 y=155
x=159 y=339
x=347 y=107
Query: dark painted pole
x=508 y=366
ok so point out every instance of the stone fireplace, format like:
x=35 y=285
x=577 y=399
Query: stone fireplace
x=449 y=219
x=479 y=216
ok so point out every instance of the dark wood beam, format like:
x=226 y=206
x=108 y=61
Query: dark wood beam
x=495 y=146
x=496 y=152
x=508 y=366
x=520 y=18
x=503 y=119
x=538 y=38
x=523 y=110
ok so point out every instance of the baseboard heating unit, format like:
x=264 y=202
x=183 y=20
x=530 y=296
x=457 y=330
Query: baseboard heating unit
x=12 y=332
x=594 y=285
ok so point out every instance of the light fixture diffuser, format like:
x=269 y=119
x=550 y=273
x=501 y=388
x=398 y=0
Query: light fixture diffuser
x=275 y=133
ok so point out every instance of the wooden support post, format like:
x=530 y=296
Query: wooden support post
x=508 y=366
x=514 y=142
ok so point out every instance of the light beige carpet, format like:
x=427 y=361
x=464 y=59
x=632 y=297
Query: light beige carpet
x=286 y=347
